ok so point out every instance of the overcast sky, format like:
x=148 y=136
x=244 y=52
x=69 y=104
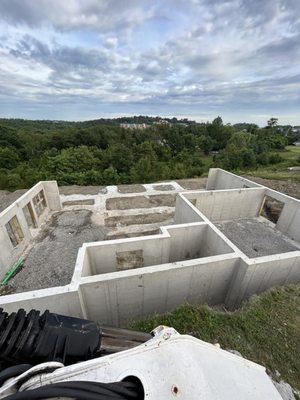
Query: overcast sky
x=82 y=59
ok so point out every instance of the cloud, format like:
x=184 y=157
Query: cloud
x=162 y=56
x=103 y=15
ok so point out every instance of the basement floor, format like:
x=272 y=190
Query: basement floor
x=256 y=238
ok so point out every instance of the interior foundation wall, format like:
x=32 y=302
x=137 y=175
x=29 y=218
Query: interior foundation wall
x=175 y=243
x=222 y=205
x=219 y=179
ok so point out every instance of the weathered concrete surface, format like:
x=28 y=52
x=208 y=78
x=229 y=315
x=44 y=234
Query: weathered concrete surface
x=256 y=238
x=131 y=188
x=125 y=203
x=51 y=261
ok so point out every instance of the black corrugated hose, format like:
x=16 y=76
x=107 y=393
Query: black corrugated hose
x=83 y=390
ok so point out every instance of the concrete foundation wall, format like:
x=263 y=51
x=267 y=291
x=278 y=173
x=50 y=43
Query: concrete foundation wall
x=289 y=220
x=120 y=280
x=222 y=205
x=103 y=258
x=185 y=212
x=61 y=300
x=219 y=179
x=262 y=274
x=175 y=243
x=10 y=254
x=122 y=297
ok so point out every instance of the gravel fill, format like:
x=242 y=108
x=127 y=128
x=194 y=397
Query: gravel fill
x=52 y=259
x=256 y=238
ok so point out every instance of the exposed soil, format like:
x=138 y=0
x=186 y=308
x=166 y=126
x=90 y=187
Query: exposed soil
x=7 y=198
x=138 y=219
x=271 y=209
x=289 y=187
x=122 y=235
x=192 y=184
x=163 y=187
x=52 y=259
x=127 y=203
x=75 y=189
x=131 y=189
x=86 y=202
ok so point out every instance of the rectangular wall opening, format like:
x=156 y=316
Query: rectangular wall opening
x=271 y=209
x=129 y=259
x=40 y=203
x=29 y=215
x=14 y=231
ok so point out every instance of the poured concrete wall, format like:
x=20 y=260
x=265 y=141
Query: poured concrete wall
x=185 y=212
x=289 y=219
x=9 y=254
x=61 y=300
x=175 y=243
x=166 y=271
x=129 y=295
x=255 y=276
x=222 y=205
x=219 y=179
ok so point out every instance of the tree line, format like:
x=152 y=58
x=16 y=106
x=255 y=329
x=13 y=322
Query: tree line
x=102 y=153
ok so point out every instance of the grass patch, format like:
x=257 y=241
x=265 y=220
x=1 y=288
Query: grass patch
x=291 y=153
x=290 y=158
x=265 y=330
x=280 y=174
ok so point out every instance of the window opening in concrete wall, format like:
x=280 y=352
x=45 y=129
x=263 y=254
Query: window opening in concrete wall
x=14 y=231
x=129 y=259
x=271 y=209
x=29 y=215
x=39 y=202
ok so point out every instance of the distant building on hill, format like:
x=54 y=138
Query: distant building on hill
x=134 y=126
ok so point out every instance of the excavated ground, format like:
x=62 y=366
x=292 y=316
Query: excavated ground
x=150 y=201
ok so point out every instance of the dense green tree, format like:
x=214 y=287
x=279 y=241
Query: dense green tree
x=8 y=157
x=100 y=152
